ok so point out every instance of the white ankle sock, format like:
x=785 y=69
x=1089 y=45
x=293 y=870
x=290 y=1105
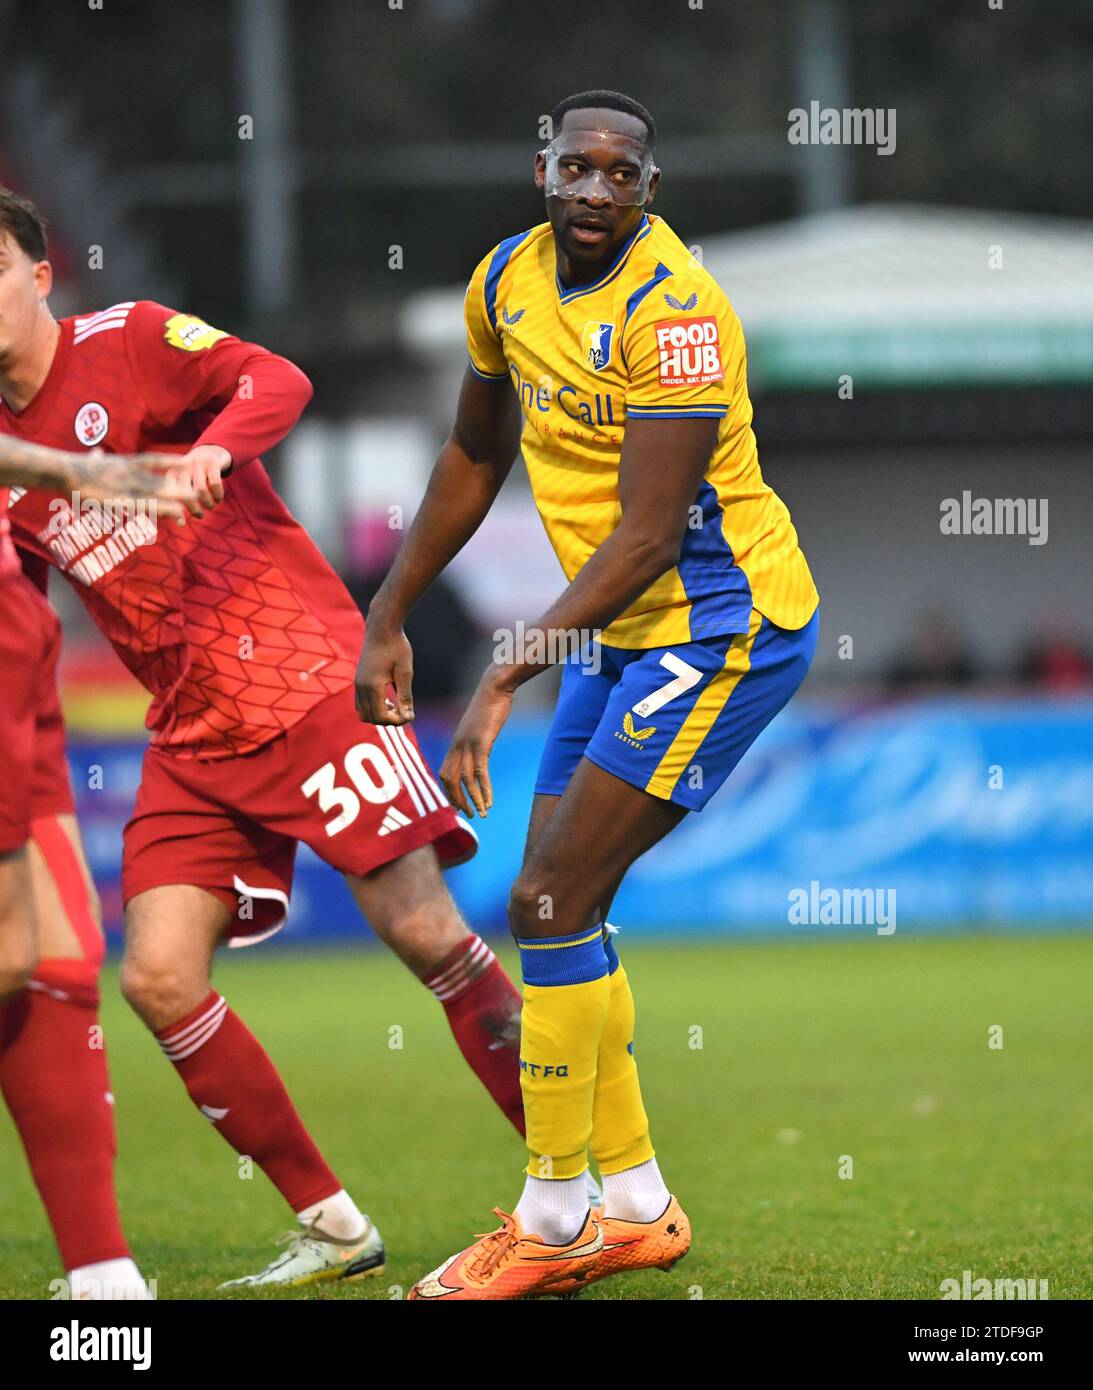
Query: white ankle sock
x=108 y=1279
x=338 y=1216
x=554 y=1208
x=635 y=1194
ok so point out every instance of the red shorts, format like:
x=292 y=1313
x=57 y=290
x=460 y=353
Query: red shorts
x=358 y=795
x=35 y=772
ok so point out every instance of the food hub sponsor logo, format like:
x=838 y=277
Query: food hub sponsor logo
x=688 y=351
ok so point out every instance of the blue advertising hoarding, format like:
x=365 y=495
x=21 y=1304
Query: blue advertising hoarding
x=971 y=812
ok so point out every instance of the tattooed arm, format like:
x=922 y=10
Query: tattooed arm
x=104 y=477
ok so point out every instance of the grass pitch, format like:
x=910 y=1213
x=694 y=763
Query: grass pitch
x=766 y=1067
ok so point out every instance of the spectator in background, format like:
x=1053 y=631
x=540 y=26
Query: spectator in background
x=1059 y=659
x=938 y=657
x=441 y=629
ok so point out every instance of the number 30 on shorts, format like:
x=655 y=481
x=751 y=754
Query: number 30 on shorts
x=372 y=777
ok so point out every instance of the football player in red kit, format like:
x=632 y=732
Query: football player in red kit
x=53 y=1068
x=53 y=1073
x=248 y=642
x=117 y=485
x=26 y=625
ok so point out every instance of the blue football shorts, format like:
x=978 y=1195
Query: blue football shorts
x=675 y=720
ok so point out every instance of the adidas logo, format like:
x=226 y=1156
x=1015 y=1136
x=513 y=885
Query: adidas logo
x=393 y=820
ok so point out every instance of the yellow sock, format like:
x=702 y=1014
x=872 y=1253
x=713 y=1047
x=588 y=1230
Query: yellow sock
x=566 y=995
x=620 y=1129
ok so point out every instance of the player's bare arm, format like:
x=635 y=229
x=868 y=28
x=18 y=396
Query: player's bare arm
x=103 y=477
x=662 y=464
x=473 y=464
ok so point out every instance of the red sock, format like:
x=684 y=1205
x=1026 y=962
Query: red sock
x=53 y=1076
x=234 y=1084
x=483 y=1009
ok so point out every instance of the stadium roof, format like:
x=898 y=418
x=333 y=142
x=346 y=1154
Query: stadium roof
x=893 y=295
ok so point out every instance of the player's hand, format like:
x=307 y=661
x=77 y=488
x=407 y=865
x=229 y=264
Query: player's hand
x=132 y=477
x=466 y=767
x=387 y=660
x=201 y=471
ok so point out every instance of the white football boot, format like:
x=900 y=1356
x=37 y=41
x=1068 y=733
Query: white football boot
x=313 y=1257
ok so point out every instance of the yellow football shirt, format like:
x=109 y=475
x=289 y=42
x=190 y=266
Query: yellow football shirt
x=653 y=338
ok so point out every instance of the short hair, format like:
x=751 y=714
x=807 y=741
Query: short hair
x=601 y=99
x=24 y=222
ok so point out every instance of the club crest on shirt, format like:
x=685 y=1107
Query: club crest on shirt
x=91 y=424
x=597 y=341
x=190 y=333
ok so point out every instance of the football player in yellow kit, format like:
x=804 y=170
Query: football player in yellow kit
x=602 y=350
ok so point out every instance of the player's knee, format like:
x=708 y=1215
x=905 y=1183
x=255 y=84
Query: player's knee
x=159 y=994
x=18 y=937
x=531 y=905
x=18 y=951
x=424 y=934
x=16 y=967
x=551 y=900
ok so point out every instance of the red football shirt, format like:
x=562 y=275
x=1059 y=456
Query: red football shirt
x=234 y=622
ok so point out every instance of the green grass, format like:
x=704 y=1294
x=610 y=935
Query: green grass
x=963 y=1157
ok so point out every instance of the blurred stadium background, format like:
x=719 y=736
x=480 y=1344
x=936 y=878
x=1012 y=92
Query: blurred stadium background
x=951 y=283
x=941 y=748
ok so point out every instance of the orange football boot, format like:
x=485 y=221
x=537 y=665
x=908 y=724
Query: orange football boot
x=633 y=1245
x=511 y=1263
